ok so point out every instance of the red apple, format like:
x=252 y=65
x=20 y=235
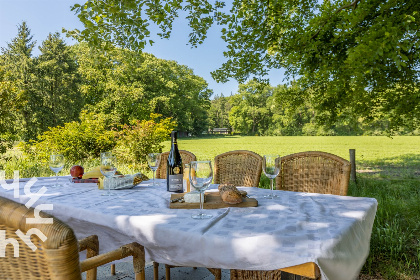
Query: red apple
x=76 y=171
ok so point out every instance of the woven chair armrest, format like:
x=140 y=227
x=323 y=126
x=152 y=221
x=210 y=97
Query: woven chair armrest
x=132 y=249
x=91 y=244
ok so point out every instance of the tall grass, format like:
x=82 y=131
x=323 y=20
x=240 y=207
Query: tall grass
x=395 y=241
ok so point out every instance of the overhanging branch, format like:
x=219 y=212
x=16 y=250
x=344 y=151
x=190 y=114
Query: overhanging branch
x=352 y=5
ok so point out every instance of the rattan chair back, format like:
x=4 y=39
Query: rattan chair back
x=57 y=257
x=186 y=157
x=241 y=168
x=314 y=172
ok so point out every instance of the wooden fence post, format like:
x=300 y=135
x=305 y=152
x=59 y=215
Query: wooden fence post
x=353 y=165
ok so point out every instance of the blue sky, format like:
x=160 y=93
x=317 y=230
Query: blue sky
x=48 y=16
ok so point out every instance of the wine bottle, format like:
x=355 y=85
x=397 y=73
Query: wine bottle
x=174 y=168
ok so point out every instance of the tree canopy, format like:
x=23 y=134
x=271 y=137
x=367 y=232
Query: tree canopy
x=360 y=56
x=51 y=89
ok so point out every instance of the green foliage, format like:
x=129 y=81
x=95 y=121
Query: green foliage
x=126 y=24
x=249 y=113
x=44 y=90
x=128 y=86
x=75 y=140
x=219 y=112
x=56 y=85
x=49 y=90
x=259 y=109
x=10 y=101
x=140 y=138
x=17 y=79
x=359 y=59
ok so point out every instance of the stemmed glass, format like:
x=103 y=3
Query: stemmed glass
x=153 y=159
x=108 y=168
x=271 y=171
x=56 y=164
x=201 y=174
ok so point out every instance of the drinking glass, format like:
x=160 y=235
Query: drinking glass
x=108 y=168
x=56 y=164
x=201 y=174
x=271 y=171
x=153 y=159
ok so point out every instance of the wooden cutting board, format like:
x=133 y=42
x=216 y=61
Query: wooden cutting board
x=212 y=201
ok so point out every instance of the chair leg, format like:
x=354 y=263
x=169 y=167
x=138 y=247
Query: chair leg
x=91 y=245
x=91 y=274
x=141 y=275
x=168 y=272
x=217 y=272
x=155 y=271
x=113 y=269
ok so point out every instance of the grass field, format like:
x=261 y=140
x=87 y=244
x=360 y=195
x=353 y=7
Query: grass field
x=389 y=170
x=372 y=153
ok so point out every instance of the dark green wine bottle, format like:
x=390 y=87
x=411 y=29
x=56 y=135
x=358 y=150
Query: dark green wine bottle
x=174 y=168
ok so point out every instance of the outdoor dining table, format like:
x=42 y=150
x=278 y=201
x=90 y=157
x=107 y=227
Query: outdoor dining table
x=295 y=228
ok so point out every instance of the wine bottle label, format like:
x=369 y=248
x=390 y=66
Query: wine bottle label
x=175 y=182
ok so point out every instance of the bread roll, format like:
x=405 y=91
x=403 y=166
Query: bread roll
x=230 y=194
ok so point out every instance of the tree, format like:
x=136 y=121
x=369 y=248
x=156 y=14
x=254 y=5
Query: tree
x=127 y=86
x=18 y=76
x=10 y=101
x=249 y=113
x=361 y=56
x=56 y=85
x=219 y=112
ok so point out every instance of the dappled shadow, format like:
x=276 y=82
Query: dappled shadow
x=407 y=165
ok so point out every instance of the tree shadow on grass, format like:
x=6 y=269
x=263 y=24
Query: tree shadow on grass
x=404 y=166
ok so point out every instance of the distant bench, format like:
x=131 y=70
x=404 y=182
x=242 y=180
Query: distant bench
x=221 y=130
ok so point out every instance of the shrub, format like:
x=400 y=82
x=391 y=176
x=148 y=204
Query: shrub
x=75 y=140
x=139 y=138
x=6 y=142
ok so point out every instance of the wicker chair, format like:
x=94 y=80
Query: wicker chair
x=57 y=256
x=186 y=156
x=241 y=168
x=314 y=172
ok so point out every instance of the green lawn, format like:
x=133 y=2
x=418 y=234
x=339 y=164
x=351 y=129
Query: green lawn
x=372 y=152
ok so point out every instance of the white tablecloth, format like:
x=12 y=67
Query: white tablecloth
x=332 y=231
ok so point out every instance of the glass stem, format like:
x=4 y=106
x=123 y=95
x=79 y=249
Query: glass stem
x=56 y=179
x=153 y=177
x=271 y=181
x=109 y=186
x=201 y=205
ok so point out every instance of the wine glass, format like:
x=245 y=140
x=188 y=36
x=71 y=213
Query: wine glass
x=56 y=164
x=271 y=171
x=201 y=174
x=153 y=159
x=108 y=168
